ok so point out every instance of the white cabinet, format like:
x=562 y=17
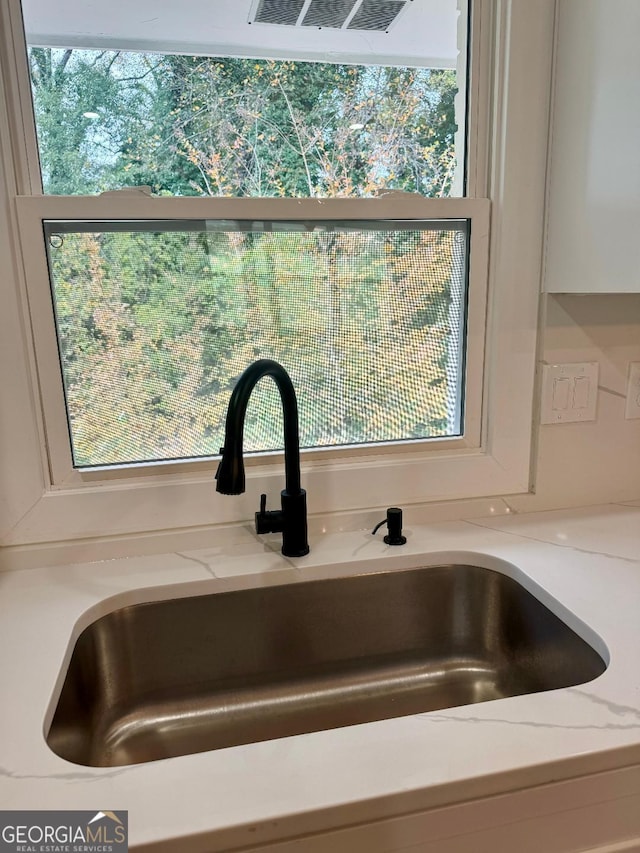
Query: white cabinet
x=593 y=227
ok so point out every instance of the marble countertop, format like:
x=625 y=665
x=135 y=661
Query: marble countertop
x=585 y=561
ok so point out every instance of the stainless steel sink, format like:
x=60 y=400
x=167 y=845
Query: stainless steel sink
x=187 y=675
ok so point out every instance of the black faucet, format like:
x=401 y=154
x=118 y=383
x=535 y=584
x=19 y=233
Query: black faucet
x=291 y=520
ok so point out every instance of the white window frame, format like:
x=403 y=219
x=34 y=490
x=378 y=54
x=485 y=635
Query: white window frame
x=46 y=500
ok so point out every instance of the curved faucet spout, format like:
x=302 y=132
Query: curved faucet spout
x=292 y=519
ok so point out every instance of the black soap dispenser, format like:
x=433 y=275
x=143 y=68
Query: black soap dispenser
x=394 y=526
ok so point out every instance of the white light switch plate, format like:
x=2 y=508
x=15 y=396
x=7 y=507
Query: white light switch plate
x=569 y=392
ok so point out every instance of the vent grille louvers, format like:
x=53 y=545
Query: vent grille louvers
x=376 y=14
x=328 y=13
x=285 y=12
x=370 y=15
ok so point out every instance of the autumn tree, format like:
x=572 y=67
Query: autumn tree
x=267 y=127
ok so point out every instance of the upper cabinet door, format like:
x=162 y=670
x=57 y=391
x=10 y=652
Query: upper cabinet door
x=593 y=233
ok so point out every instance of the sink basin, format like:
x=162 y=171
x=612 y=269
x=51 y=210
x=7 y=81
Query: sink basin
x=186 y=675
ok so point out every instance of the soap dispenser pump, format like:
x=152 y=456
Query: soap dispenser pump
x=394 y=526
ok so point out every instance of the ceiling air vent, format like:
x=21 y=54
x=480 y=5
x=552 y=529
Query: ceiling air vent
x=376 y=14
x=328 y=13
x=284 y=12
x=371 y=15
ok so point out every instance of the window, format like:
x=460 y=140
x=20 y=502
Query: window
x=155 y=321
x=443 y=434
x=364 y=301
x=228 y=126
x=260 y=112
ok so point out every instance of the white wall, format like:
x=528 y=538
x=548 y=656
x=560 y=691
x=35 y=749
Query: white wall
x=583 y=463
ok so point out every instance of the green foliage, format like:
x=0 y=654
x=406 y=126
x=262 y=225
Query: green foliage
x=197 y=125
x=351 y=315
x=265 y=127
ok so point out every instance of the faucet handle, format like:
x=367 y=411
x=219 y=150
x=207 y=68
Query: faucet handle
x=221 y=451
x=270 y=521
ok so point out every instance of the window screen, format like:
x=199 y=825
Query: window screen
x=157 y=319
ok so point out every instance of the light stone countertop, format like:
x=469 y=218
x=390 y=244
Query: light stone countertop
x=584 y=564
